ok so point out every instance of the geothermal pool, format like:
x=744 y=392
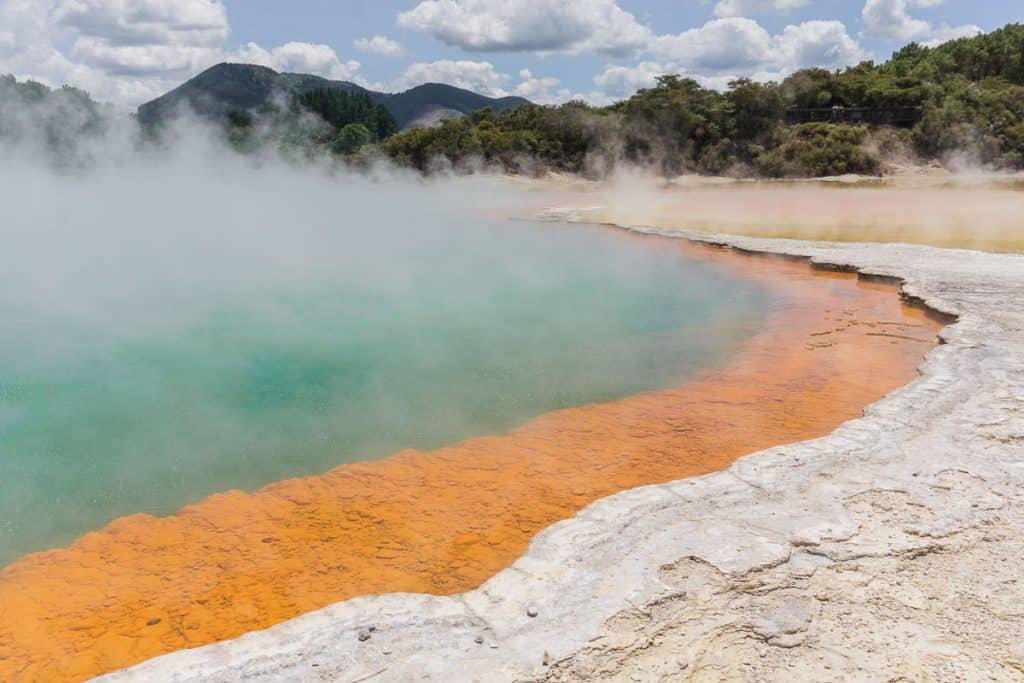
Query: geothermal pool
x=443 y=332
x=221 y=415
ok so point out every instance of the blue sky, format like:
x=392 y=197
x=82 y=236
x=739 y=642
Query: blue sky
x=547 y=50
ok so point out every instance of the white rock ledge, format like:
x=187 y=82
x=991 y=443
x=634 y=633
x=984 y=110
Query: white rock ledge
x=891 y=548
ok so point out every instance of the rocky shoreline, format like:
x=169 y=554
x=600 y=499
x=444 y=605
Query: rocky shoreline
x=890 y=548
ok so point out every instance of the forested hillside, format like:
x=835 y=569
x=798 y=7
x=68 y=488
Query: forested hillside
x=970 y=93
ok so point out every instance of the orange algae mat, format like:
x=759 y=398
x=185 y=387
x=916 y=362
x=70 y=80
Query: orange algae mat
x=445 y=521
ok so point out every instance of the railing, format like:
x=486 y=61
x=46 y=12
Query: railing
x=891 y=116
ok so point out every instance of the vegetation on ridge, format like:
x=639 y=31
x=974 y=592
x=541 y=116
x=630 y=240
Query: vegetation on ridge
x=969 y=94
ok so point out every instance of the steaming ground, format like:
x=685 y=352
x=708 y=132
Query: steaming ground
x=974 y=211
x=202 y=322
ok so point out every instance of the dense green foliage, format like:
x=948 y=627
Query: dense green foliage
x=315 y=122
x=970 y=94
x=340 y=109
x=351 y=138
x=554 y=137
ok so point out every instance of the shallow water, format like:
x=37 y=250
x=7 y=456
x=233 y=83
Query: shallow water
x=189 y=373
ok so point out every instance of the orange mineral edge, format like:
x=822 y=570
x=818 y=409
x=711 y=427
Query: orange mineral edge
x=445 y=521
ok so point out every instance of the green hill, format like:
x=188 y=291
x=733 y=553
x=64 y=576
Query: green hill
x=227 y=88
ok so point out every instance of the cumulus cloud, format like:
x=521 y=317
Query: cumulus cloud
x=815 y=43
x=742 y=46
x=299 y=58
x=719 y=45
x=550 y=90
x=542 y=89
x=891 y=20
x=129 y=51
x=28 y=49
x=381 y=45
x=144 y=37
x=481 y=77
x=746 y=8
x=723 y=50
x=529 y=25
x=946 y=32
x=617 y=81
x=146 y=22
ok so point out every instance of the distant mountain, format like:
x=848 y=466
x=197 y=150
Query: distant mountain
x=233 y=87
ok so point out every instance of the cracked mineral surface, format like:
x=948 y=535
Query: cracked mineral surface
x=889 y=549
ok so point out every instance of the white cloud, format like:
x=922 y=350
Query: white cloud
x=619 y=82
x=723 y=48
x=146 y=22
x=140 y=60
x=28 y=50
x=946 y=32
x=143 y=37
x=130 y=51
x=815 y=43
x=726 y=49
x=742 y=46
x=891 y=20
x=297 y=57
x=480 y=77
x=746 y=8
x=381 y=45
x=719 y=45
x=542 y=90
x=529 y=25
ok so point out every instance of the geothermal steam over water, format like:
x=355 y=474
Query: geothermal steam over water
x=168 y=334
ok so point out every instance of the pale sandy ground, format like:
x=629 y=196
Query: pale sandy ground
x=888 y=550
x=979 y=211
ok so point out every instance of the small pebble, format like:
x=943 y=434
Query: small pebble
x=387 y=652
x=531 y=611
x=153 y=622
x=364 y=635
x=479 y=640
x=371 y=629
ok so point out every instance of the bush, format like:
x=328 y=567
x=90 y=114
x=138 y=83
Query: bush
x=351 y=138
x=818 y=149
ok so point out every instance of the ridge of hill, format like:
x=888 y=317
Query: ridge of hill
x=227 y=87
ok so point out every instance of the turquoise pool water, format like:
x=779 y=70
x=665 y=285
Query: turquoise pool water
x=142 y=370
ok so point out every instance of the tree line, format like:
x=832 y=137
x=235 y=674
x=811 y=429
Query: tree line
x=969 y=92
